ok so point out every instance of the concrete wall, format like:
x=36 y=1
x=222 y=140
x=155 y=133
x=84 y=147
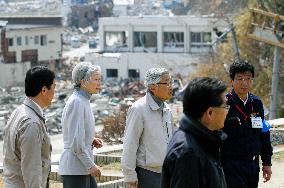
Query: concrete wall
x=48 y=52
x=183 y=64
x=13 y=73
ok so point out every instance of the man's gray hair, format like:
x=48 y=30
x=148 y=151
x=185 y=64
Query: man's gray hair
x=83 y=71
x=153 y=75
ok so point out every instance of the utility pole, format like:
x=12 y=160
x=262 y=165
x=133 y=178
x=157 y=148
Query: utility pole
x=235 y=44
x=234 y=40
x=267 y=27
x=275 y=81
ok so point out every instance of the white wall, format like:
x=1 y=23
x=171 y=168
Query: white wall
x=51 y=51
x=13 y=73
x=183 y=64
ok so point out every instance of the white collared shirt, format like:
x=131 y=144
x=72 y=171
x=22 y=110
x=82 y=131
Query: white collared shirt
x=245 y=101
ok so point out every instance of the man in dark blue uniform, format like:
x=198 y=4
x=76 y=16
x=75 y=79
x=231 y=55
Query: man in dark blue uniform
x=247 y=139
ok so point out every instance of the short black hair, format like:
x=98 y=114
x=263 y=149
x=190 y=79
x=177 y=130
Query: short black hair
x=202 y=93
x=36 y=78
x=240 y=66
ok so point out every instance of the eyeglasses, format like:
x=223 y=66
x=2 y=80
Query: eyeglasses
x=248 y=79
x=95 y=80
x=165 y=83
x=227 y=107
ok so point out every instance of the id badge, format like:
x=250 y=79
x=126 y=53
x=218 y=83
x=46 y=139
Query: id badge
x=256 y=122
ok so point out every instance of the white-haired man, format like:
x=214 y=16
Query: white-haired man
x=149 y=127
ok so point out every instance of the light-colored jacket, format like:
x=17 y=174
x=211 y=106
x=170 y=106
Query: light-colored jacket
x=78 y=127
x=26 y=149
x=147 y=134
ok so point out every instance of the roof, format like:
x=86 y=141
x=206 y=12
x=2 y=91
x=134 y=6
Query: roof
x=27 y=26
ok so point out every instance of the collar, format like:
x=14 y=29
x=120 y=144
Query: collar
x=153 y=104
x=244 y=101
x=237 y=98
x=31 y=103
x=212 y=138
x=84 y=93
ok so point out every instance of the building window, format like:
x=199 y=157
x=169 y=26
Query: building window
x=145 y=39
x=195 y=37
x=10 y=41
x=19 y=41
x=206 y=37
x=27 y=40
x=36 y=40
x=133 y=74
x=116 y=39
x=174 y=39
x=43 y=40
x=112 y=73
x=201 y=39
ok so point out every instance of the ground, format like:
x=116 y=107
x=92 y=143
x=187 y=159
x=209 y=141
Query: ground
x=277 y=180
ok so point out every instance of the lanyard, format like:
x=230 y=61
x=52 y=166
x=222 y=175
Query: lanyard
x=241 y=111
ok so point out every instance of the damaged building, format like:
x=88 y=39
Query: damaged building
x=27 y=41
x=32 y=39
x=131 y=45
x=87 y=14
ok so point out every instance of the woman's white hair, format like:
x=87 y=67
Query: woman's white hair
x=84 y=71
x=153 y=75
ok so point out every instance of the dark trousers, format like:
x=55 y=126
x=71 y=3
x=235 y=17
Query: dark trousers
x=147 y=178
x=79 y=181
x=241 y=173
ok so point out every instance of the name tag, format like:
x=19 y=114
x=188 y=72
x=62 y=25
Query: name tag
x=256 y=122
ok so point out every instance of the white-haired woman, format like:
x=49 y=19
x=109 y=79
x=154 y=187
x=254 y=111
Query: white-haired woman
x=77 y=167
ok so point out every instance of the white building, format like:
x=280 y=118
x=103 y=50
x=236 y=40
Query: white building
x=32 y=39
x=178 y=34
x=131 y=45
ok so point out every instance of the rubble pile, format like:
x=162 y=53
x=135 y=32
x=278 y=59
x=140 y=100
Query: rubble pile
x=277 y=136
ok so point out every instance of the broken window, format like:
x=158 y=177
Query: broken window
x=116 y=39
x=43 y=40
x=145 y=39
x=195 y=37
x=174 y=39
x=133 y=73
x=206 y=37
x=19 y=41
x=200 y=39
x=112 y=73
x=10 y=41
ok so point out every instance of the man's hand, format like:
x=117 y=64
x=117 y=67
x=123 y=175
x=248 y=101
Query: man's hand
x=97 y=143
x=266 y=170
x=133 y=183
x=95 y=171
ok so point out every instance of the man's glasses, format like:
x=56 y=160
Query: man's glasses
x=227 y=107
x=165 y=83
x=240 y=79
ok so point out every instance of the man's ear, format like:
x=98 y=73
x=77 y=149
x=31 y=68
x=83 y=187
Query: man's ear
x=209 y=113
x=232 y=83
x=43 y=90
x=152 y=87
